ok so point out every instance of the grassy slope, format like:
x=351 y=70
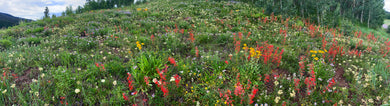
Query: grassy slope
x=377 y=32
x=93 y=52
x=387 y=21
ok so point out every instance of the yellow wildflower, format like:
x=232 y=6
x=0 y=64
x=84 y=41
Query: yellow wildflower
x=139 y=9
x=145 y=9
x=258 y=54
x=313 y=55
x=139 y=45
x=320 y=51
x=316 y=58
x=244 y=47
x=252 y=52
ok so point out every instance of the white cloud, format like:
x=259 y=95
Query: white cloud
x=387 y=5
x=33 y=9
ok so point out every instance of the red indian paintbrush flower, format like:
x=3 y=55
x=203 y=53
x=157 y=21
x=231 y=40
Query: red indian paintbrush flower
x=240 y=35
x=182 y=31
x=251 y=96
x=192 y=37
x=237 y=45
x=125 y=97
x=177 y=79
x=130 y=82
x=172 y=61
x=146 y=79
x=152 y=38
x=266 y=78
x=196 y=52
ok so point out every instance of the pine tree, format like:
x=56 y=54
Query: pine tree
x=46 y=12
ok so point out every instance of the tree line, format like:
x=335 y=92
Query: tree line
x=323 y=12
x=94 y=5
x=103 y=4
x=327 y=12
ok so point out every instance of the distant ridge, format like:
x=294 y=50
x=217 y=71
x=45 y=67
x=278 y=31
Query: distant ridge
x=7 y=20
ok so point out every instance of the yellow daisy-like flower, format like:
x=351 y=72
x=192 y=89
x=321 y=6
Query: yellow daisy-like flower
x=258 y=53
x=244 y=47
x=313 y=55
x=139 y=45
x=139 y=9
x=145 y=9
x=320 y=51
x=316 y=58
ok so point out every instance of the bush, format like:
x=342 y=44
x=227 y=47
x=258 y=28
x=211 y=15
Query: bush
x=85 y=45
x=33 y=40
x=4 y=43
x=347 y=27
x=37 y=30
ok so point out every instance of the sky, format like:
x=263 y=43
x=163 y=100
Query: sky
x=387 y=5
x=33 y=9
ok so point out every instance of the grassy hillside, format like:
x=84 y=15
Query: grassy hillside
x=387 y=21
x=175 y=52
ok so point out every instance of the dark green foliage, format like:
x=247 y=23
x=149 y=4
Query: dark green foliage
x=86 y=44
x=32 y=40
x=103 y=4
x=37 y=30
x=116 y=68
x=388 y=30
x=46 y=12
x=69 y=11
x=326 y=12
x=4 y=43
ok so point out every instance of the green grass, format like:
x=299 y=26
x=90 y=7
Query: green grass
x=377 y=32
x=386 y=21
x=175 y=52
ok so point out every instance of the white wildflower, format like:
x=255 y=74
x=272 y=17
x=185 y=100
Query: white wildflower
x=77 y=90
x=114 y=83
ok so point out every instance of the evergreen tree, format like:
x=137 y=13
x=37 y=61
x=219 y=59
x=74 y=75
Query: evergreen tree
x=69 y=10
x=46 y=12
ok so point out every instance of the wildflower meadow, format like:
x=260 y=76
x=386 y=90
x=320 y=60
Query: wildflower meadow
x=186 y=52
